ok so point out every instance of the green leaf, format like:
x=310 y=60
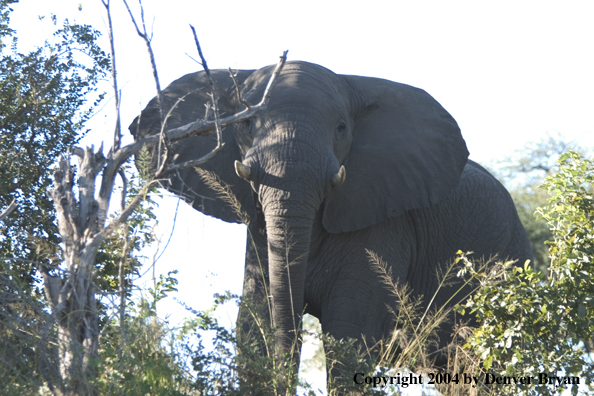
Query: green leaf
x=488 y=362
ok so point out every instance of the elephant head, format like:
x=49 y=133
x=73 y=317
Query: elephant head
x=400 y=148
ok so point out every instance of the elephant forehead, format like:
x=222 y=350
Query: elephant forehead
x=299 y=82
x=296 y=119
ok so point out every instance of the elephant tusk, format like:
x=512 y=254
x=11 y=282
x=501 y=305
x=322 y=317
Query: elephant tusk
x=243 y=171
x=338 y=178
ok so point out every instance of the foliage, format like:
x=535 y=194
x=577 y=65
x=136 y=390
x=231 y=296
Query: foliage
x=530 y=325
x=344 y=357
x=144 y=356
x=527 y=201
x=522 y=174
x=23 y=321
x=124 y=248
x=5 y=30
x=44 y=103
x=217 y=369
x=219 y=360
x=46 y=95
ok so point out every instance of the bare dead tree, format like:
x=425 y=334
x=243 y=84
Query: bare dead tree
x=82 y=220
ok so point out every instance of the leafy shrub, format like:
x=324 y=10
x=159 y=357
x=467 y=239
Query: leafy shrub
x=531 y=324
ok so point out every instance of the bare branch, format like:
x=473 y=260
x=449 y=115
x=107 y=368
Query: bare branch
x=214 y=97
x=277 y=70
x=124 y=188
x=204 y=65
x=123 y=289
x=191 y=57
x=239 y=97
x=163 y=135
x=7 y=211
x=106 y=189
x=133 y=19
x=123 y=216
x=80 y=153
x=196 y=162
x=26 y=261
x=197 y=128
x=64 y=202
x=52 y=285
x=117 y=139
x=219 y=131
x=162 y=158
x=155 y=257
x=82 y=214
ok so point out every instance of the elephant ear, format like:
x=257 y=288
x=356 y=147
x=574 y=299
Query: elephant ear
x=194 y=89
x=407 y=153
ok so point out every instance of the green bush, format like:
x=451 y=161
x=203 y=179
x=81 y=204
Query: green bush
x=533 y=324
x=143 y=356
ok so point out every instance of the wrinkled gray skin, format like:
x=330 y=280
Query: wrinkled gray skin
x=410 y=193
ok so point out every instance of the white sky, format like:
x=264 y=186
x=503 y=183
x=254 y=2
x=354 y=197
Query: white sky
x=507 y=71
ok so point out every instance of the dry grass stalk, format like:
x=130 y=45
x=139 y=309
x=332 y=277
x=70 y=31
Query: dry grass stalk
x=224 y=192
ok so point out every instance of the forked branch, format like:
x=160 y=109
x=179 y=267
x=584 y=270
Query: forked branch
x=213 y=95
x=201 y=128
x=164 y=148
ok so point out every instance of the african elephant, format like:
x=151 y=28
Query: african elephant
x=337 y=165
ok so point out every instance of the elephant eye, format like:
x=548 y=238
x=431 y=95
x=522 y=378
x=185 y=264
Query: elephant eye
x=340 y=129
x=247 y=126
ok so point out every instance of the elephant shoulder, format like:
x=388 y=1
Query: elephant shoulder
x=481 y=191
x=474 y=175
x=484 y=208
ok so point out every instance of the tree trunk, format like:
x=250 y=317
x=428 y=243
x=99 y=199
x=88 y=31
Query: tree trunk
x=78 y=341
x=72 y=294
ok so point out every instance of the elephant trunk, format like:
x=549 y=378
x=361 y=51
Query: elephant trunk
x=289 y=237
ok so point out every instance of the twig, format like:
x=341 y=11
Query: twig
x=214 y=97
x=271 y=82
x=117 y=139
x=196 y=128
x=124 y=189
x=196 y=162
x=123 y=216
x=162 y=135
x=239 y=97
x=204 y=65
x=21 y=260
x=163 y=142
x=170 y=234
x=123 y=289
x=7 y=211
x=122 y=269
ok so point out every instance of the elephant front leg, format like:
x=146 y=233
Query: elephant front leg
x=254 y=311
x=352 y=323
x=345 y=357
x=253 y=321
